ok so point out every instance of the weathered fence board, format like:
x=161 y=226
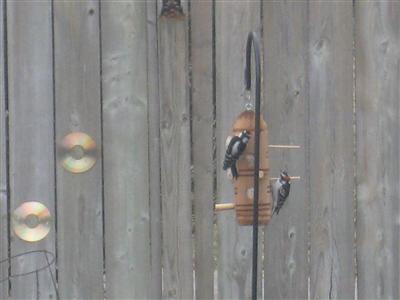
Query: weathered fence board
x=31 y=133
x=175 y=157
x=3 y=160
x=78 y=108
x=125 y=150
x=233 y=22
x=155 y=284
x=285 y=107
x=331 y=149
x=201 y=24
x=377 y=98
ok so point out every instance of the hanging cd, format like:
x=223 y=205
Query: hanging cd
x=78 y=152
x=31 y=221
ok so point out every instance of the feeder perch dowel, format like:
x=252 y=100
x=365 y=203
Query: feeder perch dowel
x=291 y=178
x=224 y=206
x=284 y=146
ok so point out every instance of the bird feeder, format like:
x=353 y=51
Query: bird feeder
x=244 y=184
x=247 y=195
x=252 y=193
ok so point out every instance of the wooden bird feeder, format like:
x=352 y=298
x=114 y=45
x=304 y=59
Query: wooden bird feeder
x=246 y=200
x=243 y=185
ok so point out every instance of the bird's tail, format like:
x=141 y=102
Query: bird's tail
x=227 y=162
x=276 y=211
x=235 y=173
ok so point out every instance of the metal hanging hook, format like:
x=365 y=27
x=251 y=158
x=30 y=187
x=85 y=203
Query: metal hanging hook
x=252 y=40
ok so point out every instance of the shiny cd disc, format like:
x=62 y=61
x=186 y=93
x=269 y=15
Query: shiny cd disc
x=31 y=221
x=78 y=152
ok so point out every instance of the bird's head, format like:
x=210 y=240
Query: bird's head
x=244 y=136
x=285 y=176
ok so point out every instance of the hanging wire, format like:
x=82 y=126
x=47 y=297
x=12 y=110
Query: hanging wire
x=52 y=277
x=248 y=104
x=36 y=271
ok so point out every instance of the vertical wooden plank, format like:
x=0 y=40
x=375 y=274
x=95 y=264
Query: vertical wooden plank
x=31 y=133
x=78 y=108
x=154 y=151
x=126 y=185
x=331 y=149
x=175 y=157
x=201 y=24
x=377 y=99
x=285 y=107
x=233 y=22
x=3 y=159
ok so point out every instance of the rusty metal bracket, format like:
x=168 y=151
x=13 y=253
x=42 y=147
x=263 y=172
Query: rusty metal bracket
x=172 y=9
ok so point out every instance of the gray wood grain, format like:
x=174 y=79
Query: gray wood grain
x=285 y=108
x=125 y=151
x=79 y=196
x=233 y=22
x=154 y=151
x=31 y=133
x=3 y=161
x=331 y=149
x=203 y=144
x=377 y=98
x=175 y=158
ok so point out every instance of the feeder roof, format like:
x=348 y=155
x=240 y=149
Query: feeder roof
x=246 y=121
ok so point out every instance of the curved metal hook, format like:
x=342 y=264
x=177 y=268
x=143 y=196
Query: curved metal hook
x=252 y=40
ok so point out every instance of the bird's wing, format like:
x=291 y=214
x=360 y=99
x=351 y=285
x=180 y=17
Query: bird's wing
x=233 y=141
x=236 y=149
x=284 y=190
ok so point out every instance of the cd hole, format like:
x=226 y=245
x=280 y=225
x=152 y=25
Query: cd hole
x=32 y=221
x=77 y=152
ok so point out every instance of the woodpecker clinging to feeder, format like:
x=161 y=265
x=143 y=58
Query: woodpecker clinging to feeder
x=280 y=191
x=235 y=149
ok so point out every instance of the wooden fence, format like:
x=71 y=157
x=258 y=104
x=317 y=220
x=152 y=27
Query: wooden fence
x=159 y=97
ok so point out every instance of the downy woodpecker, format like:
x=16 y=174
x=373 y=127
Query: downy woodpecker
x=236 y=147
x=280 y=191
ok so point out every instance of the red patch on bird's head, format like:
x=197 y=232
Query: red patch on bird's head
x=285 y=176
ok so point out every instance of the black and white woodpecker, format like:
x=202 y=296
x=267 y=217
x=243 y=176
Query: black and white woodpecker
x=234 y=150
x=280 y=191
